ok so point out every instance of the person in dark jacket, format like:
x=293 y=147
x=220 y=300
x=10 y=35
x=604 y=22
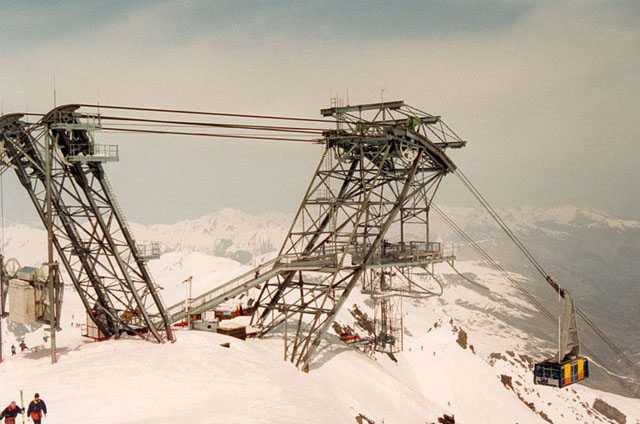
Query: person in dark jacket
x=23 y=346
x=36 y=409
x=10 y=413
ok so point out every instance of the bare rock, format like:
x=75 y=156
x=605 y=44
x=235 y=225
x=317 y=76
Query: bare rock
x=609 y=411
x=361 y=419
x=507 y=381
x=462 y=338
x=447 y=419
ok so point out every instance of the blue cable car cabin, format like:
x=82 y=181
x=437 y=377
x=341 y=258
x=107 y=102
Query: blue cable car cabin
x=562 y=374
x=572 y=368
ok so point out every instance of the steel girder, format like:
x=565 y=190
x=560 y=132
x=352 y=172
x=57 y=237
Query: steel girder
x=90 y=234
x=375 y=174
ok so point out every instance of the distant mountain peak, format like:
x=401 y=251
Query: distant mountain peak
x=227 y=233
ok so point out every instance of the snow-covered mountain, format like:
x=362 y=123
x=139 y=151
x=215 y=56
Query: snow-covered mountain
x=467 y=353
x=589 y=252
x=554 y=220
x=234 y=234
x=228 y=233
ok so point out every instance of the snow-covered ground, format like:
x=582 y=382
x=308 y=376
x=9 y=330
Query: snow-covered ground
x=197 y=380
x=485 y=380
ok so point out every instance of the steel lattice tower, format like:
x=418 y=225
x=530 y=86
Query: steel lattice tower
x=380 y=169
x=90 y=234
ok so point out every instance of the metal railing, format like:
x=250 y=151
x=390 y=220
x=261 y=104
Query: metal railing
x=93 y=153
x=114 y=201
x=406 y=252
x=227 y=290
x=416 y=251
x=148 y=250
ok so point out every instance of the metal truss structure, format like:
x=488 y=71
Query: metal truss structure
x=90 y=234
x=387 y=309
x=387 y=287
x=374 y=185
x=380 y=170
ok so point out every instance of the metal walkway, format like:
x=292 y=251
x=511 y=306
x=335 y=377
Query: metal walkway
x=270 y=269
x=210 y=299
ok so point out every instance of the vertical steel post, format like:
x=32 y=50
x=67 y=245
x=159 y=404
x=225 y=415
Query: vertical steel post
x=187 y=307
x=189 y=311
x=559 y=339
x=50 y=264
x=401 y=327
x=1 y=299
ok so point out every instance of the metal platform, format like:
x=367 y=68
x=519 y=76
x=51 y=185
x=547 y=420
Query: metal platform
x=101 y=153
x=148 y=250
x=212 y=298
x=400 y=256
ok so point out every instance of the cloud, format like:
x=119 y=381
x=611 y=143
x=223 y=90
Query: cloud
x=546 y=94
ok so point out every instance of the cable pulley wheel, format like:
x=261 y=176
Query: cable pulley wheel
x=408 y=151
x=11 y=267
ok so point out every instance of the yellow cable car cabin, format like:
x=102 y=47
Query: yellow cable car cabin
x=567 y=367
x=561 y=375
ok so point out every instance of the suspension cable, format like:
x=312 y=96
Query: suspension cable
x=501 y=222
x=541 y=270
x=246 y=137
x=307 y=130
x=495 y=265
x=2 y=213
x=197 y=112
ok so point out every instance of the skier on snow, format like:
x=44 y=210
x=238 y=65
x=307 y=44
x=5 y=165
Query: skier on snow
x=36 y=409
x=10 y=413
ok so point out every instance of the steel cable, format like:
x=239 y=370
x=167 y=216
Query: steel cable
x=246 y=137
x=304 y=130
x=483 y=253
x=196 y=112
x=541 y=270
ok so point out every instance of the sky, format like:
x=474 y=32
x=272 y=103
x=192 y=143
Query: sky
x=545 y=93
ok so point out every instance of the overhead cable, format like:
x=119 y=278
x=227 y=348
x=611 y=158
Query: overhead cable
x=198 y=134
x=466 y=182
x=197 y=112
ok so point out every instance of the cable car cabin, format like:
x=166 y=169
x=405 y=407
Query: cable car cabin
x=563 y=374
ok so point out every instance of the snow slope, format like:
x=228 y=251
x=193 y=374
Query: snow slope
x=489 y=380
x=197 y=380
x=226 y=233
x=485 y=380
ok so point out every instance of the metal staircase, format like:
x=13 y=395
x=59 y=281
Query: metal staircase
x=212 y=298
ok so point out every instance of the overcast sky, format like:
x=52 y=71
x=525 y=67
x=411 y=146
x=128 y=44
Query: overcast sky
x=546 y=93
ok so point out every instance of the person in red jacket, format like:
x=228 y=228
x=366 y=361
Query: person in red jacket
x=36 y=409
x=10 y=413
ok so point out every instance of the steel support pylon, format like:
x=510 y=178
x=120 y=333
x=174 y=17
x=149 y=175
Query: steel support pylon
x=380 y=168
x=90 y=234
